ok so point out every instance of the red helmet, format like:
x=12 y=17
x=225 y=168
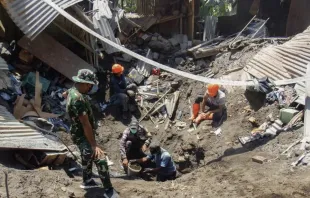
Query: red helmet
x=117 y=68
x=213 y=89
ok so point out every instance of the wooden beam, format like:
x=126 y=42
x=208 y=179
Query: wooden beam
x=205 y=30
x=191 y=19
x=174 y=103
x=75 y=38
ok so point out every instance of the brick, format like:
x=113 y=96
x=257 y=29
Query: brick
x=259 y=159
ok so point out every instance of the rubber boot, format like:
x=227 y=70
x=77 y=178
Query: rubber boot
x=196 y=109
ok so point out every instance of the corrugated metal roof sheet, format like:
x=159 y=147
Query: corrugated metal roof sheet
x=3 y=64
x=301 y=92
x=16 y=135
x=33 y=16
x=285 y=61
x=101 y=9
x=102 y=25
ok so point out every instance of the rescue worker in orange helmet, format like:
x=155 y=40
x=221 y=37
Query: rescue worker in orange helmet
x=121 y=91
x=213 y=98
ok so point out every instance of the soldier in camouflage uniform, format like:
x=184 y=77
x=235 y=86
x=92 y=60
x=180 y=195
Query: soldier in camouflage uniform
x=82 y=128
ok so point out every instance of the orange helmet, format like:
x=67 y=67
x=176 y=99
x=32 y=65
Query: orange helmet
x=117 y=68
x=213 y=89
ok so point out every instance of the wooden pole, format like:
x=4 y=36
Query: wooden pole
x=205 y=29
x=191 y=19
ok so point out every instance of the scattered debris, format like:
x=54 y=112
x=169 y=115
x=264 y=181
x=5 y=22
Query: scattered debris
x=32 y=82
x=218 y=132
x=259 y=159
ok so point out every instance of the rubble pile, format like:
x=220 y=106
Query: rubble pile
x=263 y=125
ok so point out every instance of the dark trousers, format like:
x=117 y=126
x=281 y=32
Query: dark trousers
x=87 y=165
x=163 y=178
x=120 y=99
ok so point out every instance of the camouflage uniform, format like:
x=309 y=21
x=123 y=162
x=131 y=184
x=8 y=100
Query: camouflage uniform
x=77 y=105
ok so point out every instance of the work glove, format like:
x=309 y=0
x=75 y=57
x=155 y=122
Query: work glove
x=148 y=170
x=131 y=93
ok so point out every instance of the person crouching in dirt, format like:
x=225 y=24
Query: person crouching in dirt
x=215 y=99
x=82 y=129
x=134 y=142
x=121 y=92
x=165 y=167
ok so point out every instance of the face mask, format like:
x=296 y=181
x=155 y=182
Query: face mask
x=93 y=90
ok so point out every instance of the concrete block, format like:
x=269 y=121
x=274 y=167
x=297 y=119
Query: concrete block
x=174 y=41
x=146 y=37
x=178 y=60
x=183 y=46
x=190 y=44
x=179 y=38
x=252 y=120
x=155 y=56
x=127 y=57
x=287 y=114
x=154 y=38
x=185 y=39
x=259 y=159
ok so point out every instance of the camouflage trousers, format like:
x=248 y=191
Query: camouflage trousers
x=87 y=165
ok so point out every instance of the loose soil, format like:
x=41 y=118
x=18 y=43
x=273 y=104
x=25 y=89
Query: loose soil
x=214 y=166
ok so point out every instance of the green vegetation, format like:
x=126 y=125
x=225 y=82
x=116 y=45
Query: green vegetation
x=215 y=7
x=129 y=5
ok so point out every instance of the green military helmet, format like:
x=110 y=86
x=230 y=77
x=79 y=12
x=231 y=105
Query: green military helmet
x=85 y=76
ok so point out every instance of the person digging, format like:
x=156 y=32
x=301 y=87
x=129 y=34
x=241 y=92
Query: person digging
x=134 y=143
x=121 y=92
x=213 y=98
x=165 y=167
x=82 y=129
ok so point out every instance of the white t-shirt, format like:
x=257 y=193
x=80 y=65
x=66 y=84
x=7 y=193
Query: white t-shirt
x=219 y=100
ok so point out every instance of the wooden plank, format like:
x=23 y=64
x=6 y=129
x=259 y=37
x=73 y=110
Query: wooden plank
x=149 y=111
x=42 y=114
x=174 y=104
x=55 y=158
x=48 y=50
x=19 y=106
x=205 y=29
x=157 y=108
x=38 y=90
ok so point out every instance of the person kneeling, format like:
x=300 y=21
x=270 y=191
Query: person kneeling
x=213 y=98
x=134 y=142
x=165 y=167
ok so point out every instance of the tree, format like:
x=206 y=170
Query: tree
x=215 y=7
x=129 y=5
